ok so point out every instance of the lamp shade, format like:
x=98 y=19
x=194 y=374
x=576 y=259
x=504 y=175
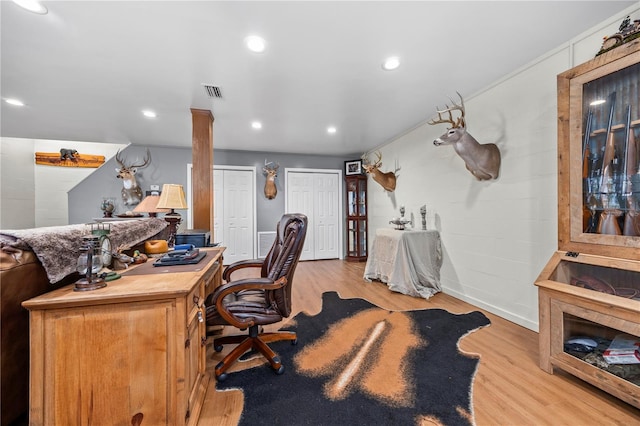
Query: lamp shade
x=172 y=197
x=149 y=204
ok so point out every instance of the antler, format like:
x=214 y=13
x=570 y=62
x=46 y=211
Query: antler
x=454 y=124
x=365 y=160
x=269 y=167
x=379 y=160
x=147 y=159
x=119 y=160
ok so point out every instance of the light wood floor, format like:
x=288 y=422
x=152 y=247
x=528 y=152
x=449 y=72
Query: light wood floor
x=509 y=388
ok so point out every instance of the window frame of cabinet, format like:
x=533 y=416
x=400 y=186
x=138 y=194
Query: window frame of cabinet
x=357 y=227
x=141 y=333
x=566 y=304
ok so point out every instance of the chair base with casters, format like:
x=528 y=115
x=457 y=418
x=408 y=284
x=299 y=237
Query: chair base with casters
x=250 y=303
x=254 y=341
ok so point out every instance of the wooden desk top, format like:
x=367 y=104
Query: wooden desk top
x=134 y=287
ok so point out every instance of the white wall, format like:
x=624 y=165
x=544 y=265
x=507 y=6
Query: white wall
x=498 y=235
x=17 y=185
x=53 y=183
x=36 y=195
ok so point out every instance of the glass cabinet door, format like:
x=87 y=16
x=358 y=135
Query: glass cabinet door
x=611 y=183
x=598 y=152
x=356 y=217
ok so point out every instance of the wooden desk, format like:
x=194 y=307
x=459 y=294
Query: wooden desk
x=408 y=261
x=134 y=348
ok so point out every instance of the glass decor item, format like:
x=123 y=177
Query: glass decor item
x=108 y=206
x=89 y=265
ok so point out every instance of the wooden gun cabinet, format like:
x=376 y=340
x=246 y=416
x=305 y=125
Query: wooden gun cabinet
x=590 y=287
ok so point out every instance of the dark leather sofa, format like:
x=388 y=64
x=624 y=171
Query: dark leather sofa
x=21 y=278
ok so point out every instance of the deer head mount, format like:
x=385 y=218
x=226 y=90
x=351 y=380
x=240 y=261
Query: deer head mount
x=131 y=192
x=387 y=179
x=482 y=160
x=271 y=172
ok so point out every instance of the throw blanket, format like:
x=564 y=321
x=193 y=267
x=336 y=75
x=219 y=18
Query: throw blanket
x=58 y=247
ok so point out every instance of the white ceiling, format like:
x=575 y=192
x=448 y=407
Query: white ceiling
x=87 y=69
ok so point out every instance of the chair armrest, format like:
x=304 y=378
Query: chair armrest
x=241 y=264
x=221 y=292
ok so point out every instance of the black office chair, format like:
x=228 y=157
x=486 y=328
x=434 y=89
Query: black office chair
x=253 y=302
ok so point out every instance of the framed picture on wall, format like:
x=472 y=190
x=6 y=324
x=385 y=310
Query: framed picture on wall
x=353 y=167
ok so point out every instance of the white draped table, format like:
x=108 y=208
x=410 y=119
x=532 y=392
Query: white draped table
x=407 y=261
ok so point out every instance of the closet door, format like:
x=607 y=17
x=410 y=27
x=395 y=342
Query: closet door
x=238 y=215
x=300 y=199
x=317 y=195
x=325 y=215
x=218 y=198
x=234 y=213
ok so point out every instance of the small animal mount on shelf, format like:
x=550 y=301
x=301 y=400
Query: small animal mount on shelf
x=387 y=179
x=271 y=172
x=68 y=158
x=68 y=154
x=482 y=160
x=131 y=192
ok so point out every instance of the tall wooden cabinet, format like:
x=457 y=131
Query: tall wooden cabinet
x=130 y=353
x=356 y=218
x=590 y=287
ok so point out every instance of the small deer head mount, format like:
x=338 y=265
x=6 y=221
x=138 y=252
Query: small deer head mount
x=387 y=179
x=482 y=160
x=131 y=192
x=271 y=172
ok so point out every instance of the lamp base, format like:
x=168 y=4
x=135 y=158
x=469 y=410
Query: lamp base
x=87 y=285
x=174 y=220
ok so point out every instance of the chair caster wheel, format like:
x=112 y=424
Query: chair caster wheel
x=217 y=348
x=222 y=377
x=280 y=370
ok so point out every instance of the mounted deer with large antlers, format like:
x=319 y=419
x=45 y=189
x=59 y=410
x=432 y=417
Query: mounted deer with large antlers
x=482 y=160
x=271 y=172
x=387 y=179
x=131 y=192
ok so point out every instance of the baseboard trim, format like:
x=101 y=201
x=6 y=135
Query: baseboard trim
x=510 y=316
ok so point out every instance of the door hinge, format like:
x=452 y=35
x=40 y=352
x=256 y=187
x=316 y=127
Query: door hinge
x=203 y=341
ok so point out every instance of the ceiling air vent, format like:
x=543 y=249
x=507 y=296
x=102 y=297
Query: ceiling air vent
x=212 y=91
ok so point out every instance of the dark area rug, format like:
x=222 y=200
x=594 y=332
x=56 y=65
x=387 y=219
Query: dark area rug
x=357 y=364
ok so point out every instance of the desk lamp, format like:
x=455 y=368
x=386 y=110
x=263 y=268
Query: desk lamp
x=172 y=197
x=149 y=204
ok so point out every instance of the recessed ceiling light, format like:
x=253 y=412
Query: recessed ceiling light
x=255 y=44
x=32 y=6
x=149 y=114
x=331 y=130
x=15 y=102
x=256 y=125
x=391 y=63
